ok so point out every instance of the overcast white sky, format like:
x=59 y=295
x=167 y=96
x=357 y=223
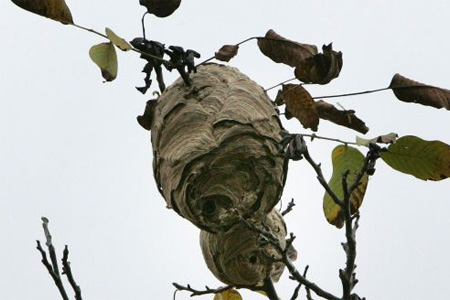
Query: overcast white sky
x=71 y=150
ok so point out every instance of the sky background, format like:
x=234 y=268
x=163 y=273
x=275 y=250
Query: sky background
x=71 y=149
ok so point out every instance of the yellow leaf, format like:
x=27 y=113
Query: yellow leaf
x=344 y=158
x=54 y=9
x=118 y=41
x=230 y=294
x=104 y=56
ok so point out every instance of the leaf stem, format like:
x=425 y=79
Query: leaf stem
x=240 y=43
x=353 y=94
x=281 y=83
x=89 y=30
x=314 y=136
x=106 y=37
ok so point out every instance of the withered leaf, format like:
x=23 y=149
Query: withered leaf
x=408 y=90
x=226 y=53
x=390 y=138
x=345 y=118
x=282 y=50
x=320 y=68
x=160 y=8
x=300 y=105
x=146 y=119
x=54 y=9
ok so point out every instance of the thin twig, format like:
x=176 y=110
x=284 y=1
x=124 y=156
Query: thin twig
x=374 y=91
x=352 y=94
x=322 y=180
x=213 y=57
x=348 y=275
x=89 y=30
x=314 y=136
x=289 y=208
x=51 y=248
x=297 y=289
x=269 y=289
x=308 y=294
x=143 y=24
x=67 y=270
x=281 y=83
x=207 y=290
x=106 y=37
x=287 y=261
x=53 y=267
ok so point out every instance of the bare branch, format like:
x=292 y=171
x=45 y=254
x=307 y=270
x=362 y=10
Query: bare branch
x=348 y=275
x=208 y=290
x=67 y=270
x=288 y=208
x=283 y=252
x=321 y=179
x=53 y=267
x=297 y=289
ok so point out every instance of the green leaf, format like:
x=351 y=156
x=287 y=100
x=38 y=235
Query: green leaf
x=54 y=9
x=118 y=41
x=426 y=160
x=230 y=294
x=104 y=56
x=344 y=158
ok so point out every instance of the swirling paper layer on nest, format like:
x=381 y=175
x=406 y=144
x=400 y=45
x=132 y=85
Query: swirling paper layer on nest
x=216 y=148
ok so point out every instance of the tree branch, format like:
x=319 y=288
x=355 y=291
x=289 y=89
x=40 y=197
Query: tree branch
x=208 y=290
x=297 y=289
x=283 y=252
x=67 y=270
x=348 y=275
x=289 y=208
x=53 y=267
x=322 y=179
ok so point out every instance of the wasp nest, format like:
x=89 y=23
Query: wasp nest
x=243 y=256
x=216 y=148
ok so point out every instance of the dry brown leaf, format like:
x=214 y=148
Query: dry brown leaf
x=282 y=50
x=146 y=119
x=320 y=68
x=300 y=105
x=54 y=9
x=226 y=53
x=408 y=90
x=160 y=8
x=345 y=118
